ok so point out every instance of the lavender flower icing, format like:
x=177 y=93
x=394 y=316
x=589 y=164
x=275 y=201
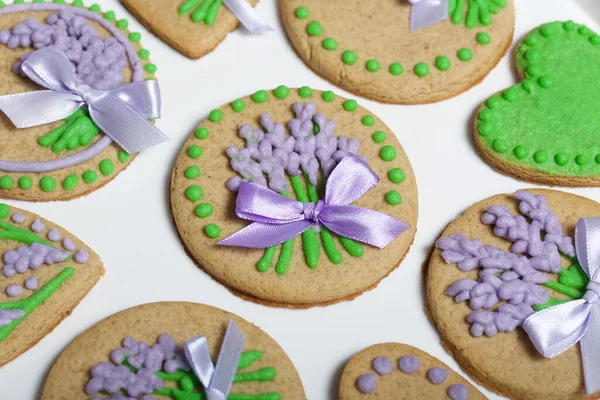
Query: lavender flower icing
x=409 y=364
x=458 y=392
x=81 y=256
x=367 y=383
x=37 y=226
x=437 y=376
x=18 y=217
x=382 y=365
x=31 y=257
x=68 y=244
x=8 y=316
x=31 y=283
x=54 y=235
x=14 y=290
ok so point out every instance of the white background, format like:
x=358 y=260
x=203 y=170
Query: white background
x=129 y=221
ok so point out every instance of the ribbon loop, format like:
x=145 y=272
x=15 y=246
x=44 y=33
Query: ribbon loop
x=247 y=16
x=121 y=113
x=425 y=13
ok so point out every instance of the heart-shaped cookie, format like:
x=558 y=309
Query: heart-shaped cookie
x=546 y=128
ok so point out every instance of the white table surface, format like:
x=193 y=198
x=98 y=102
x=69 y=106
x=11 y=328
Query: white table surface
x=129 y=221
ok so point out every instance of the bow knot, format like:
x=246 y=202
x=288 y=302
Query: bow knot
x=592 y=293
x=312 y=210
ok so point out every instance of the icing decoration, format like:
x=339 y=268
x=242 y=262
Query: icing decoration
x=69 y=245
x=409 y=364
x=31 y=257
x=8 y=316
x=515 y=280
x=437 y=375
x=207 y=11
x=54 y=235
x=50 y=67
x=31 y=283
x=367 y=383
x=81 y=256
x=278 y=219
x=458 y=392
x=37 y=226
x=138 y=369
x=382 y=365
x=14 y=290
x=425 y=13
x=558 y=328
x=18 y=218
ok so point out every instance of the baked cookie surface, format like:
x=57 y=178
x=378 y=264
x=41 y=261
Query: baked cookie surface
x=45 y=273
x=71 y=158
x=193 y=28
x=367 y=47
x=398 y=371
x=498 y=284
x=264 y=372
x=315 y=268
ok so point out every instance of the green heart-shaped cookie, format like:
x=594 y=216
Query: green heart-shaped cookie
x=546 y=129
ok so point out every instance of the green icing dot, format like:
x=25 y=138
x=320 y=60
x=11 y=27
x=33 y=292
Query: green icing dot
x=6 y=182
x=106 y=167
x=545 y=82
x=215 y=115
x=569 y=26
x=260 y=97
x=150 y=68
x=109 y=15
x=4 y=210
x=546 y=31
x=422 y=70
x=305 y=92
x=192 y=172
x=532 y=40
x=483 y=38
x=561 y=159
x=212 y=231
x=90 y=176
x=373 y=65
x=388 y=153
x=597 y=158
x=485 y=128
x=379 y=137
x=393 y=198
x=329 y=44
x=47 y=184
x=135 y=37
x=328 y=96
x=349 y=57
x=520 y=152
x=123 y=156
x=368 y=120
x=202 y=133
x=465 y=55
x=510 y=95
x=396 y=69
x=442 y=63
x=314 y=28
x=122 y=24
x=194 y=151
x=194 y=193
x=238 y=105
x=302 y=12
x=350 y=105
x=94 y=8
x=540 y=156
x=144 y=54
x=582 y=159
x=76 y=3
x=204 y=210
x=70 y=182
x=25 y=182
x=281 y=92
x=396 y=175
x=500 y=146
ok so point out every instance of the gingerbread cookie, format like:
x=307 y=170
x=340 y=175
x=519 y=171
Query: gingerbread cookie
x=46 y=272
x=498 y=267
x=72 y=157
x=274 y=150
x=398 y=371
x=192 y=27
x=369 y=49
x=527 y=131
x=167 y=350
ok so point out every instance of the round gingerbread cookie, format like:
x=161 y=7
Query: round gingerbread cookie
x=368 y=48
x=504 y=259
x=139 y=353
x=398 y=371
x=66 y=159
x=289 y=140
x=192 y=27
x=45 y=272
x=528 y=130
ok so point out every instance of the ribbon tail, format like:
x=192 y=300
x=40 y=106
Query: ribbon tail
x=247 y=16
x=362 y=224
x=428 y=12
x=227 y=363
x=198 y=356
x=130 y=130
x=259 y=235
x=590 y=345
x=39 y=107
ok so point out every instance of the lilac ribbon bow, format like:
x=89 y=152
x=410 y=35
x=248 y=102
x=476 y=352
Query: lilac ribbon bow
x=121 y=113
x=247 y=16
x=425 y=13
x=558 y=328
x=278 y=219
x=216 y=380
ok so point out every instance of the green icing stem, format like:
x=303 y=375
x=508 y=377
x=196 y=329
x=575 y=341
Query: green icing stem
x=78 y=130
x=12 y=232
x=264 y=263
x=213 y=11
x=285 y=257
x=35 y=300
x=262 y=375
x=326 y=238
x=188 y=6
x=550 y=303
x=564 y=289
x=310 y=244
x=353 y=248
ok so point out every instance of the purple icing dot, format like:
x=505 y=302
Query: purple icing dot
x=437 y=376
x=37 y=226
x=9 y=270
x=81 y=256
x=14 y=290
x=54 y=235
x=409 y=364
x=458 y=392
x=68 y=244
x=18 y=217
x=11 y=256
x=31 y=283
x=367 y=383
x=382 y=365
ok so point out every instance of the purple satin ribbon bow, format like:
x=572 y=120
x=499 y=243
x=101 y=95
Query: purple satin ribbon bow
x=216 y=380
x=247 y=16
x=278 y=219
x=558 y=328
x=121 y=113
x=425 y=13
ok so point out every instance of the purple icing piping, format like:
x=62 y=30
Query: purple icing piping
x=31 y=257
x=367 y=383
x=98 y=147
x=68 y=244
x=81 y=256
x=37 y=226
x=382 y=365
x=31 y=283
x=437 y=376
x=14 y=290
x=8 y=316
x=458 y=392
x=409 y=364
x=54 y=235
x=18 y=217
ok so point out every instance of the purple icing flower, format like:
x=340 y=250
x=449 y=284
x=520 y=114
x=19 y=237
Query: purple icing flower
x=458 y=392
x=37 y=226
x=14 y=290
x=382 y=365
x=409 y=364
x=437 y=376
x=54 y=235
x=18 y=217
x=8 y=316
x=367 y=383
x=81 y=256
x=31 y=257
x=68 y=244
x=31 y=283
